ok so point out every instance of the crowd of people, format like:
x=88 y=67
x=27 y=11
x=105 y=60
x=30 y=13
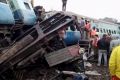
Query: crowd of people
x=101 y=47
x=104 y=49
x=110 y=56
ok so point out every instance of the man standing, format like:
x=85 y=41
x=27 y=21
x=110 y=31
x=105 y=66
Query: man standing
x=82 y=25
x=102 y=50
x=87 y=29
x=95 y=47
x=93 y=32
x=114 y=63
x=64 y=2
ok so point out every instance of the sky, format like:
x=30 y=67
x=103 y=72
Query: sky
x=90 y=8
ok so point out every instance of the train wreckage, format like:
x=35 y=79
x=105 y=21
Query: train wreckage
x=40 y=49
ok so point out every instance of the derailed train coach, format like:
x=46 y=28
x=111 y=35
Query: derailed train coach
x=41 y=43
x=6 y=16
x=16 y=16
x=23 y=11
x=16 y=10
x=103 y=27
x=37 y=40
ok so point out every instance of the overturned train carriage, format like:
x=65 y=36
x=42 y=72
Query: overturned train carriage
x=22 y=11
x=39 y=43
x=16 y=16
x=13 y=11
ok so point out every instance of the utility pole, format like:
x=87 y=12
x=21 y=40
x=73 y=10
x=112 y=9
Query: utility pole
x=64 y=2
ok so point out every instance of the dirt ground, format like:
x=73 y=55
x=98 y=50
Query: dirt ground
x=103 y=70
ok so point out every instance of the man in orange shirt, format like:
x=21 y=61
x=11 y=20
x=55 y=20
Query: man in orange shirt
x=93 y=32
x=87 y=29
x=94 y=46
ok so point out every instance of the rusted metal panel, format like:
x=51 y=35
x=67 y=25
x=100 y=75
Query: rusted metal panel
x=41 y=40
x=32 y=58
x=19 y=45
x=62 y=55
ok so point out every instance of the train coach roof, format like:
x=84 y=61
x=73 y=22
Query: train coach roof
x=88 y=18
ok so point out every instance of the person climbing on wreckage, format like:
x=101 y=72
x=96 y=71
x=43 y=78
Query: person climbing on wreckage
x=64 y=2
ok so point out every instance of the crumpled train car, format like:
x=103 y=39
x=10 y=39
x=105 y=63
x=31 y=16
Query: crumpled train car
x=6 y=16
x=23 y=11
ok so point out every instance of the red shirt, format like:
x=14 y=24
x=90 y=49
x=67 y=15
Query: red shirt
x=93 y=32
x=88 y=26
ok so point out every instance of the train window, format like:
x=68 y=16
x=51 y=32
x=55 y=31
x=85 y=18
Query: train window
x=26 y=5
x=101 y=30
x=97 y=29
x=118 y=27
x=104 y=30
x=3 y=1
x=109 y=31
x=114 y=32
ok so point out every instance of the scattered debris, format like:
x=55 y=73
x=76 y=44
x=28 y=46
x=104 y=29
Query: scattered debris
x=94 y=73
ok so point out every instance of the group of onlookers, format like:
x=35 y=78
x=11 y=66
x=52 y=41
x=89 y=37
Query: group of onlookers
x=100 y=47
x=106 y=49
x=110 y=50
